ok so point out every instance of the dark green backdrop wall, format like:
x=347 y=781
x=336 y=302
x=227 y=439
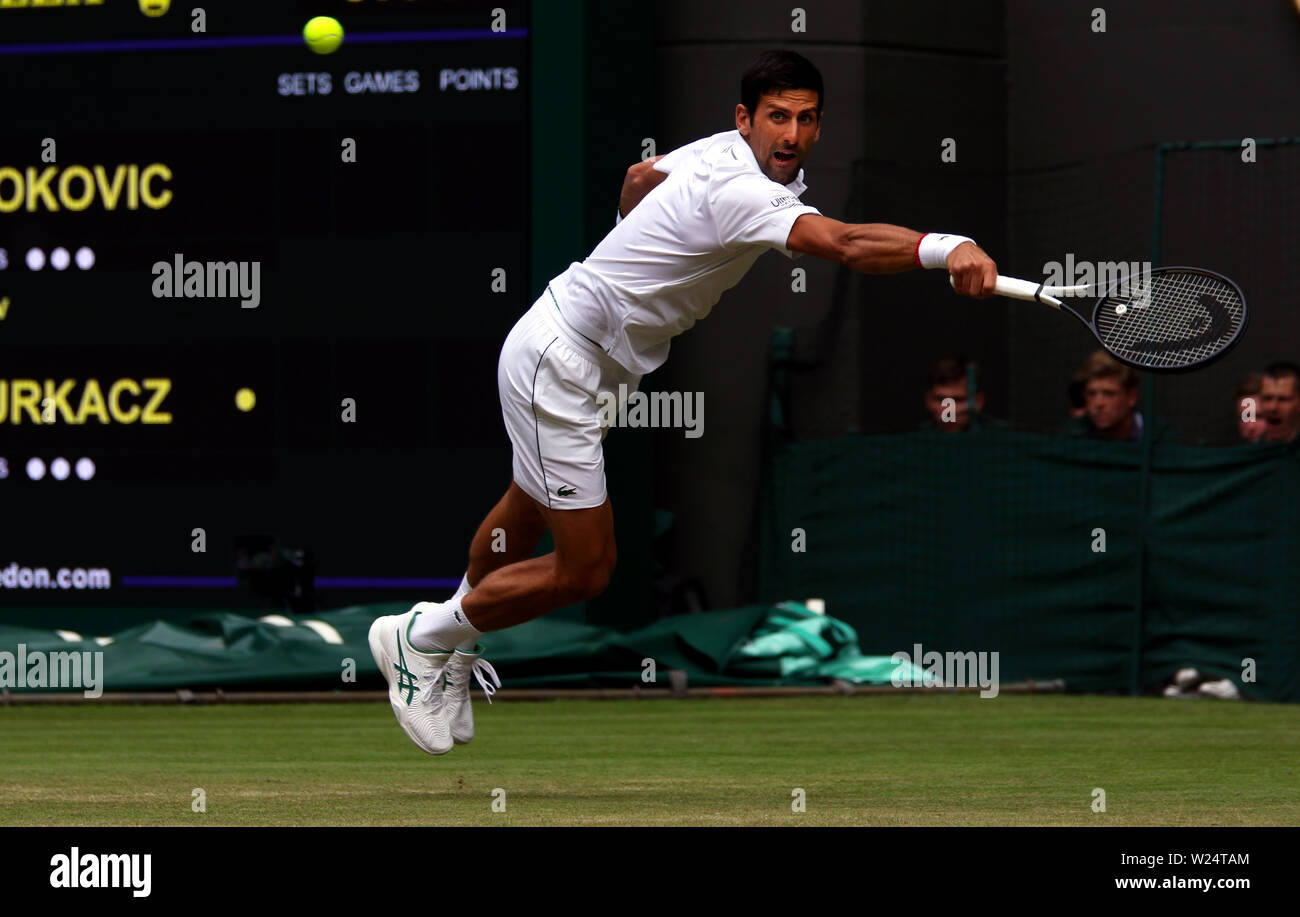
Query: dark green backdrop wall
x=1031 y=545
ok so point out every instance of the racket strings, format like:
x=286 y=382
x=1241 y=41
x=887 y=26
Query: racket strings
x=1171 y=319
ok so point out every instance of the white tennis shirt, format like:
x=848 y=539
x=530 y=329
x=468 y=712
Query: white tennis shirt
x=691 y=239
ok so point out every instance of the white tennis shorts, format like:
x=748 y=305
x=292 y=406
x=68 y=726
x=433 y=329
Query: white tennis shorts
x=550 y=379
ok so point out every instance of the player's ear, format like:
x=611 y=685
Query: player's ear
x=818 y=135
x=742 y=119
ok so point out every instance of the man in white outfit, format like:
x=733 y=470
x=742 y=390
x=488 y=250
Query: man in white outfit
x=690 y=224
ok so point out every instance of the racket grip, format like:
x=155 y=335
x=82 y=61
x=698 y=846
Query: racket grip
x=1015 y=288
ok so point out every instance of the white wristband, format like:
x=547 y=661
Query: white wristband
x=934 y=248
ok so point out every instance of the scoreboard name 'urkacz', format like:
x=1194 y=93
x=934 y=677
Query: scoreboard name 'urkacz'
x=30 y=401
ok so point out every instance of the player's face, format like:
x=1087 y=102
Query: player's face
x=782 y=131
x=1279 y=408
x=1107 y=402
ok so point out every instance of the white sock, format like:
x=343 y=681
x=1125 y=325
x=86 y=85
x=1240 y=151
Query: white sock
x=468 y=645
x=442 y=626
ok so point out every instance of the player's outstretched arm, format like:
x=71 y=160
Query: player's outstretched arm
x=641 y=179
x=882 y=248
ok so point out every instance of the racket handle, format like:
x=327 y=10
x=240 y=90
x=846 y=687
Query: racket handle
x=1015 y=288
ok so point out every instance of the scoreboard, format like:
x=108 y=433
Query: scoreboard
x=250 y=290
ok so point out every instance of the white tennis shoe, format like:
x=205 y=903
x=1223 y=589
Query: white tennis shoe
x=460 y=712
x=414 y=681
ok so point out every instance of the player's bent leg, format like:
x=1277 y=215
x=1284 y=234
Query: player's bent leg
x=579 y=568
x=508 y=534
x=585 y=550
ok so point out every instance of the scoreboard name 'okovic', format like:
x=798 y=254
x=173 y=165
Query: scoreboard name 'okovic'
x=79 y=187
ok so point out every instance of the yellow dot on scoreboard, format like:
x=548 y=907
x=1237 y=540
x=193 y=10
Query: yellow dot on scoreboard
x=245 y=399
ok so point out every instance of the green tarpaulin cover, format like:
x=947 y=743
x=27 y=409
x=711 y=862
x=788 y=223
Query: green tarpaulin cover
x=784 y=644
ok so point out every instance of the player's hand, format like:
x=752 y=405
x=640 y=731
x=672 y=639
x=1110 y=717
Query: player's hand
x=973 y=271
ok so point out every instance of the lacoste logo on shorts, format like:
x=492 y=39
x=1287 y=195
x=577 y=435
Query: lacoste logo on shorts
x=566 y=491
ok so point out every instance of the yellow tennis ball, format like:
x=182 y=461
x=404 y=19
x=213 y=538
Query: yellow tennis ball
x=323 y=34
x=245 y=399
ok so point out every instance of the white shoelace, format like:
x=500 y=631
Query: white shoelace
x=483 y=667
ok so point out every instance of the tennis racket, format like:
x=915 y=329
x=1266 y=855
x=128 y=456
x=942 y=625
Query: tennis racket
x=1168 y=320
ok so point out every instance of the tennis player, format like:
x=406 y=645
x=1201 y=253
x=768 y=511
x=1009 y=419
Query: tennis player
x=690 y=224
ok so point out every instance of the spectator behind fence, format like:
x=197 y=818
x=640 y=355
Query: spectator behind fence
x=947 y=398
x=1110 y=391
x=1279 y=402
x=1252 y=430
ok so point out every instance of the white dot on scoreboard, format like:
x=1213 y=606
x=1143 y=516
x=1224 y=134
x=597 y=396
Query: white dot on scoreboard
x=60 y=468
x=85 y=469
x=35 y=469
x=35 y=259
x=60 y=259
x=85 y=258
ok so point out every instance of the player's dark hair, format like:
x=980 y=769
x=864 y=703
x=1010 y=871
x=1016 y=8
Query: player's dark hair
x=951 y=370
x=775 y=71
